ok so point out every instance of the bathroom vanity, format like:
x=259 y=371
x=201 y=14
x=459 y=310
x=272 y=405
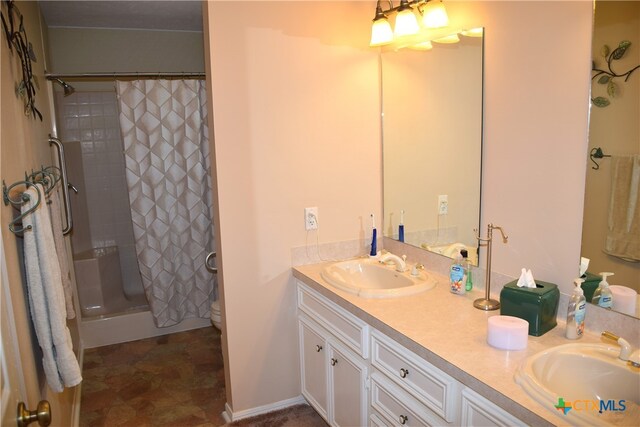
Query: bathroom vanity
x=418 y=360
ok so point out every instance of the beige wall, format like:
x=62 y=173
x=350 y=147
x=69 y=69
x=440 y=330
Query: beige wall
x=295 y=101
x=24 y=146
x=616 y=129
x=96 y=50
x=537 y=62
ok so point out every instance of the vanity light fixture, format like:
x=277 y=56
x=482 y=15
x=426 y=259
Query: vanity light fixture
x=432 y=12
x=453 y=38
x=425 y=45
x=473 y=32
x=406 y=21
x=434 y=15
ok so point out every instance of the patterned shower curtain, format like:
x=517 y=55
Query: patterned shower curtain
x=164 y=128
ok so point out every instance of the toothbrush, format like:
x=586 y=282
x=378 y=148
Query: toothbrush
x=401 y=226
x=374 y=238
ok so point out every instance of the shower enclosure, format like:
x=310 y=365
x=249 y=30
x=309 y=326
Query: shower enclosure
x=107 y=274
x=112 y=303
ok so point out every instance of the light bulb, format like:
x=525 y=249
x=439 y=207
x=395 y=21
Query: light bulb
x=434 y=15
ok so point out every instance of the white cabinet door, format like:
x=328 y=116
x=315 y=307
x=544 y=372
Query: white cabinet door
x=480 y=412
x=347 y=388
x=314 y=361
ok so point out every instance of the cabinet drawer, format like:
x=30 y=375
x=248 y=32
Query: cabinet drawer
x=480 y=412
x=375 y=420
x=429 y=384
x=348 y=328
x=398 y=407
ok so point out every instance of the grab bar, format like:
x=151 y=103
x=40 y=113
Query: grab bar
x=207 y=265
x=65 y=184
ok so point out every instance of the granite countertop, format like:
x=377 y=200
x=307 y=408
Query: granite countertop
x=447 y=331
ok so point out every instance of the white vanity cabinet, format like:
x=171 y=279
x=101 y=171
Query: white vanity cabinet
x=333 y=364
x=480 y=412
x=354 y=375
x=431 y=394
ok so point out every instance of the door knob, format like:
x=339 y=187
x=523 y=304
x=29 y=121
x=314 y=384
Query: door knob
x=42 y=414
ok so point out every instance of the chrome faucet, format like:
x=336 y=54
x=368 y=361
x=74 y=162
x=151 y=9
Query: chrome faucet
x=487 y=303
x=627 y=353
x=400 y=263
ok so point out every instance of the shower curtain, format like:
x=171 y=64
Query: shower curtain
x=164 y=128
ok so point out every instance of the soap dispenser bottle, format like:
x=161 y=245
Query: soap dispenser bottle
x=468 y=280
x=576 y=312
x=602 y=296
x=456 y=275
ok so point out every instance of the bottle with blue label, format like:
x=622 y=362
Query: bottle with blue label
x=576 y=312
x=602 y=296
x=457 y=276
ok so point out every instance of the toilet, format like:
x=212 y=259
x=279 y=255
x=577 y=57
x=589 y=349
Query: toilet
x=215 y=314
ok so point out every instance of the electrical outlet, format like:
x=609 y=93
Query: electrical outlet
x=311 y=218
x=443 y=204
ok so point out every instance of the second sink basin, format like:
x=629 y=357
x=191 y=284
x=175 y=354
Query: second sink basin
x=582 y=375
x=370 y=279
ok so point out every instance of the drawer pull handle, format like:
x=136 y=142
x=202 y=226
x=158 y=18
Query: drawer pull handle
x=404 y=372
x=318 y=348
x=403 y=419
x=334 y=361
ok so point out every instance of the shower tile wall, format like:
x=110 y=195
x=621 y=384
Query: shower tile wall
x=92 y=119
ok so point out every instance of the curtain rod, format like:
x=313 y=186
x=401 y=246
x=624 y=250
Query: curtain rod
x=115 y=75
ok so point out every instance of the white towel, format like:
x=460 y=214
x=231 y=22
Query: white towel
x=623 y=235
x=61 y=250
x=46 y=296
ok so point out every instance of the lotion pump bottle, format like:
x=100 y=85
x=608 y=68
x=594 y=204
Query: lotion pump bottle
x=576 y=312
x=602 y=296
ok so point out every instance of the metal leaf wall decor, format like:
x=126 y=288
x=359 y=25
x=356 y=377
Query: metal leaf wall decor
x=13 y=27
x=607 y=77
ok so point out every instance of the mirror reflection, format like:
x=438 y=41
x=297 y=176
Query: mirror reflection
x=611 y=226
x=432 y=145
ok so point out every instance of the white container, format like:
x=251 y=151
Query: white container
x=624 y=299
x=507 y=332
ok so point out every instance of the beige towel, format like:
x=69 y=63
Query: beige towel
x=623 y=236
x=61 y=250
x=46 y=296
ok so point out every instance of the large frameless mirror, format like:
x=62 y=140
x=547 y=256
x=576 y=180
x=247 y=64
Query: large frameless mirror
x=611 y=223
x=432 y=144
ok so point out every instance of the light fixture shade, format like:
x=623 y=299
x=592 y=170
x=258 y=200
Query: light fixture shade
x=434 y=15
x=381 y=32
x=406 y=23
x=453 y=38
x=474 y=32
x=425 y=45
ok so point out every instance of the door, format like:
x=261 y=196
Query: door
x=313 y=351
x=348 y=395
x=11 y=380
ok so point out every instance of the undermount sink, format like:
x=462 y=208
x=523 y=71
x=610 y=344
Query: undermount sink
x=579 y=377
x=369 y=278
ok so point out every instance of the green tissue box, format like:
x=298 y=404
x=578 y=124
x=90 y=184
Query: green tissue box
x=537 y=306
x=591 y=282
